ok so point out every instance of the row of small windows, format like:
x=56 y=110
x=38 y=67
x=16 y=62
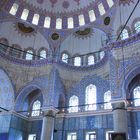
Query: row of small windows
x=16 y=51
x=90 y=100
x=70 y=20
x=30 y=55
x=77 y=60
x=125 y=33
x=89 y=135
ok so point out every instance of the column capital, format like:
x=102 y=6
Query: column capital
x=49 y=111
x=119 y=104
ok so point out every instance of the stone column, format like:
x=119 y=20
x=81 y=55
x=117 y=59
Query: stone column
x=48 y=123
x=120 y=117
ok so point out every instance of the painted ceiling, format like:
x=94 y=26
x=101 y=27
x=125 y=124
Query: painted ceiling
x=60 y=5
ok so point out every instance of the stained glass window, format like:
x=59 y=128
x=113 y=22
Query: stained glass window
x=77 y=61
x=91 y=135
x=70 y=23
x=137 y=26
x=29 y=55
x=35 y=19
x=47 y=22
x=72 y=136
x=25 y=14
x=124 y=34
x=65 y=57
x=43 y=54
x=58 y=23
x=90 y=97
x=92 y=16
x=136 y=94
x=73 y=104
x=14 y=9
x=101 y=9
x=91 y=60
x=81 y=20
x=36 y=108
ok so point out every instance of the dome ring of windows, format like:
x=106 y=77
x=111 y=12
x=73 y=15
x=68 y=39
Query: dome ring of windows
x=70 y=21
x=81 y=60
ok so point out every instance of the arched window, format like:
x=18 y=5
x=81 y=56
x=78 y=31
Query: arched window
x=65 y=57
x=101 y=9
x=35 y=19
x=107 y=98
x=124 y=34
x=81 y=20
x=25 y=14
x=14 y=9
x=58 y=23
x=70 y=23
x=91 y=60
x=43 y=54
x=136 y=94
x=36 y=108
x=29 y=55
x=91 y=15
x=77 y=61
x=137 y=26
x=110 y=3
x=73 y=104
x=15 y=51
x=4 y=44
x=102 y=54
x=47 y=22
x=90 y=97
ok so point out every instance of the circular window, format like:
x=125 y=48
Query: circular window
x=107 y=21
x=55 y=36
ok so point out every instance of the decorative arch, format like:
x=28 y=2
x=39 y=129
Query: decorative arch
x=15 y=51
x=24 y=93
x=128 y=78
x=5 y=43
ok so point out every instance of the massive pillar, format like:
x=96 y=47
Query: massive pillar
x=48 y=123
x=120 y=117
